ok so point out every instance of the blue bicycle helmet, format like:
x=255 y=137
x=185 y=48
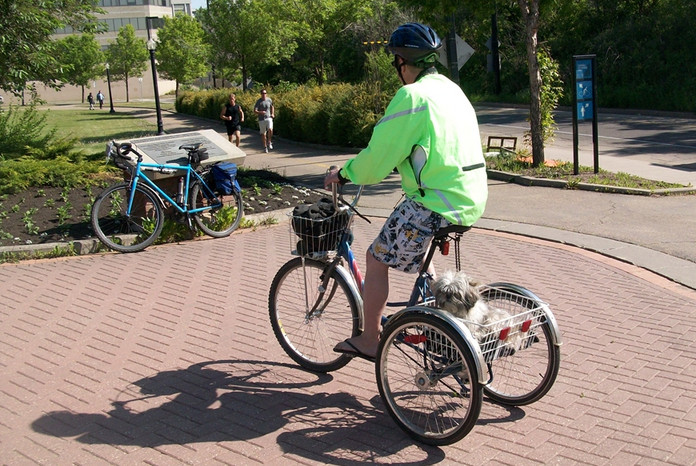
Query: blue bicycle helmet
x=416 y=43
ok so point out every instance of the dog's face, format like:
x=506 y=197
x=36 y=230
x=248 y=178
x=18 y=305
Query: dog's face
x=455 y=293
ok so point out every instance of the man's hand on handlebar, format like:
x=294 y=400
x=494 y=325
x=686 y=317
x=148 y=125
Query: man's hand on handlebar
x=331 y=177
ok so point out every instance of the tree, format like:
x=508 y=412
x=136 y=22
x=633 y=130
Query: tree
x=82 y=59
x=248 y=34
x=318 y=23
x=530 y=15
x=28 y=52
x=442 y=12
x=181 y=50
x=127 y=56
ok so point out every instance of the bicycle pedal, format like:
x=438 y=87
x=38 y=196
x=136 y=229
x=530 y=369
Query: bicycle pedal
x=181 y=219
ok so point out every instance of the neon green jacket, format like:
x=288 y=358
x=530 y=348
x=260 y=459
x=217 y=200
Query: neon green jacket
x=430 y=133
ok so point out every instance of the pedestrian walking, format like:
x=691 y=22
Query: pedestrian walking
x=100 y=99
x=233 y=116
x=265 y=110
x=90 y=99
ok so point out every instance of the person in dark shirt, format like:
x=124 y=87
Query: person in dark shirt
x=233 y=115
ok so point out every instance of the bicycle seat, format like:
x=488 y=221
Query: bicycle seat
x=451 y=229
x=191 y=147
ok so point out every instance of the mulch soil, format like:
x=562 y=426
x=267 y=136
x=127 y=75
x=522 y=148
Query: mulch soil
x=55 y=215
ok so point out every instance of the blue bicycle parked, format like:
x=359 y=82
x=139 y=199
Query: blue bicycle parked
x=129 y=216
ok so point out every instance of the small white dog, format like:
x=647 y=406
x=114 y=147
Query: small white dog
x=457 y=294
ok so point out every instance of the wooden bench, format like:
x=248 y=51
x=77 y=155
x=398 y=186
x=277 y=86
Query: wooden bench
x=501 y=143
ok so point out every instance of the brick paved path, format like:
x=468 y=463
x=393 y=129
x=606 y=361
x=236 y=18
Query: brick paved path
x=167 y=357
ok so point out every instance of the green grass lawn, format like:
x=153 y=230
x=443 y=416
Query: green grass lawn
x=94 y=128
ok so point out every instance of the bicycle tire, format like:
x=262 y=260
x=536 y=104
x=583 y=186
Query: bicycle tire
x=217 y=223
x=121 y=232
x=527 y=375
x=427 y=378
x=309 y=339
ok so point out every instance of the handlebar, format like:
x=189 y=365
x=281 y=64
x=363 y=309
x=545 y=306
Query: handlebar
x=340 y=203
x=121 y=150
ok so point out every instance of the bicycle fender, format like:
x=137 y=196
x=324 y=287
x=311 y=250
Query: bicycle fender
x=457 y=325
x=353 y=289
x=511 y=287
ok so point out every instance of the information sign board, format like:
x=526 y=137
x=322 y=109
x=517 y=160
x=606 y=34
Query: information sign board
x=585 y=107
x=584 y=83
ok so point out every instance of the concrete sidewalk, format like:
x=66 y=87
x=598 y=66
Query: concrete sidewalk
x=654 y=232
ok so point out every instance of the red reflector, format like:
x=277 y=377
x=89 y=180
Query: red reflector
x=445 y=249
x=526 y=324
x=415 y=339
x=504 y=333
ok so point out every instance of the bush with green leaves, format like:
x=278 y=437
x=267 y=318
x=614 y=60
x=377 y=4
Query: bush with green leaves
x=303 y=114
x=336 y=114
x=32 y=155
x=20 y=174
x=22 y=129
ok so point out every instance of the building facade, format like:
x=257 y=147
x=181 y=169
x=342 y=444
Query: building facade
x=119 y=13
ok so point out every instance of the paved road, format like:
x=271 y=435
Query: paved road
x=655 y=146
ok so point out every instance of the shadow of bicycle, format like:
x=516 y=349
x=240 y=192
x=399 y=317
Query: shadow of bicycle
x=229 y=400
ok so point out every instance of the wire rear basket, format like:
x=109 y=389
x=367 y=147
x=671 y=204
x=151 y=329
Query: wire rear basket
x=312 y=236
x=515 y=324
x=516 y=331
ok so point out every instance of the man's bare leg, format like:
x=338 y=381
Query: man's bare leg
x=375 y=297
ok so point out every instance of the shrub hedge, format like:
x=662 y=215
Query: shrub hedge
x=334 y=114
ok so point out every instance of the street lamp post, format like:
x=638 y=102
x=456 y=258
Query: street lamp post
x=108 y=80
x=151 y=46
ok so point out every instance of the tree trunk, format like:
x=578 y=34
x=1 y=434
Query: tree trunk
x=127 y=94
x=244 y=75
x=530 y=13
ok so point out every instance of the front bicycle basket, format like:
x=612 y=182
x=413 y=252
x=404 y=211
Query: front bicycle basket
x=318 y=227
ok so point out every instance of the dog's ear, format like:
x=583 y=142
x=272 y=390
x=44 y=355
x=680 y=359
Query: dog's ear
x=469 y=290
x=471 y=297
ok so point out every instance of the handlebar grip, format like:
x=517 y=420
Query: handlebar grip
x=334 y=189
x=126 y=146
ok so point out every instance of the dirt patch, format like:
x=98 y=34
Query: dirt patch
x=57 y=215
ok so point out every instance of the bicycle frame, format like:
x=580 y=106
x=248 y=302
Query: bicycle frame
x=421 y=288
x=139 y=174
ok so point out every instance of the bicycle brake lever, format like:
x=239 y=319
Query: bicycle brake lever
x=109 y=148
x=337 y=194
x=347 y=204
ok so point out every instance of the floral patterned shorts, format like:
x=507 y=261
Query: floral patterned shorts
x=406 y=235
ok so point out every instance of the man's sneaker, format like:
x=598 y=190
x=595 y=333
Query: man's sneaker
x=265 y=149
x=270 y=146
